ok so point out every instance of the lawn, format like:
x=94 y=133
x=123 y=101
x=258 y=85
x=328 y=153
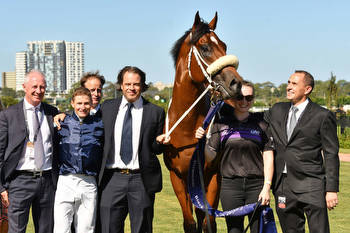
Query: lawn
x=344 y=151
x=168 y=216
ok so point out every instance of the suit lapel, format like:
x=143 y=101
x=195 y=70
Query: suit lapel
x=21 y=119
x=113 y=113
x=145 y=116
x=285 y=121
x=303 y=119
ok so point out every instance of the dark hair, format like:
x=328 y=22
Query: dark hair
x=81 y=91
x=249 y=84
x=132 y=69
x=90 y=75
x=308 y=78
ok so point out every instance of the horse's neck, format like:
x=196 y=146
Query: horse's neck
x=185 y=93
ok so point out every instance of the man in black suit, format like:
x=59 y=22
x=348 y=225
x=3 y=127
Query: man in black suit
x=131 y=173
x=306 y=179
x=28 y=161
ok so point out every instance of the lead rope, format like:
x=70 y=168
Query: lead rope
x=167 y=133
x=199 y=60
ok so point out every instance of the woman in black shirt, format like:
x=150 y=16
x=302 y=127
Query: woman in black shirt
x=238 y=138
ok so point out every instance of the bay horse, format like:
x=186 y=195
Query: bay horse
x=190 y=81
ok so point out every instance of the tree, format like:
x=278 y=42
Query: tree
x=7 y=101
x=109 y=91
x=332 y=92
x=8 y=92
x=20 y=94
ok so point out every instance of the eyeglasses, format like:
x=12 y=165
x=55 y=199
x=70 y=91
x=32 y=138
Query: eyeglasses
x=248 y=98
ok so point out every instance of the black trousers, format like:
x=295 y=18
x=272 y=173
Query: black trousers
x=37 y=192
x=123 y=194
x=297 y=205
x=236 y=192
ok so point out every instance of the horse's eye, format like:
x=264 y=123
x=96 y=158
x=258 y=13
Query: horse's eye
x=205 y=50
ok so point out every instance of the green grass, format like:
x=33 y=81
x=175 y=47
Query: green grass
x=168 y=216
x=344 y=151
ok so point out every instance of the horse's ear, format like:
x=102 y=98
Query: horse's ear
x=212 y=24
x=197 y=20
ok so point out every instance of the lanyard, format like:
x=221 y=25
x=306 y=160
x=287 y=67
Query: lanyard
x=36 y=131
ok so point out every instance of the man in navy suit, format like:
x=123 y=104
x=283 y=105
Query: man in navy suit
x=28 y=161
x=131 y=173
x=306 y=179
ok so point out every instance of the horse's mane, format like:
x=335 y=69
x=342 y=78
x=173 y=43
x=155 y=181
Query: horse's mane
x=201 y=29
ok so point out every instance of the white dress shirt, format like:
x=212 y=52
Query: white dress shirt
x=301 y=107
x=136 y=113
x=27 y=162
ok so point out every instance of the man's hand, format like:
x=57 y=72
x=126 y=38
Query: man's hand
x=163 y=139
x=331 y=200
x=5 y=198
x=58 y=118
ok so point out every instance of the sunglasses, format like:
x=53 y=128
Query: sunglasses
x=248 y=98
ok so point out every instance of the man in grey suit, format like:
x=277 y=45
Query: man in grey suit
x=28 y=162
x=130 y=173
x=306 y=179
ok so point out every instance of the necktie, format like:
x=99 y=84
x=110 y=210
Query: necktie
x=38 y=142
x=292 y=121
x=126 y=142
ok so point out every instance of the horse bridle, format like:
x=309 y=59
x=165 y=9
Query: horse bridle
x=211 y=69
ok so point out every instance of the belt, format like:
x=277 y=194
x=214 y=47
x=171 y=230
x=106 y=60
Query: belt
x=34 y=174
x=125 y=170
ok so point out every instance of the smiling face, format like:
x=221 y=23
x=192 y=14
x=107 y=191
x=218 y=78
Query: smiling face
x=81 y=105
x=34 y=87
x=131 y=86
x=245 y=101
x=95 y=88
x=297 y=89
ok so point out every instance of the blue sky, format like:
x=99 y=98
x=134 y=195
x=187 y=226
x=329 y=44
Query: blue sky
x=270 y=38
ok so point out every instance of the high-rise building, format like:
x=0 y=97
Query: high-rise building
x=21 y=69
x=50 y=58
x=9 y=79
x=74 y=62
x=62 y=63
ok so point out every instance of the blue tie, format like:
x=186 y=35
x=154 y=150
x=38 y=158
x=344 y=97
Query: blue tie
x=126 y=142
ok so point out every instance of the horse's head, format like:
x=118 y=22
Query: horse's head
x=205 y=57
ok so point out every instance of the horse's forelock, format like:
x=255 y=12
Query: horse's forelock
x=201 y=29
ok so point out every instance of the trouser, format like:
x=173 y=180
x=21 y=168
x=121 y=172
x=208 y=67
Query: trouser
x=236 y=192
x=123 y=194
x=291 y=214
x=76 y=197
x=27 y=191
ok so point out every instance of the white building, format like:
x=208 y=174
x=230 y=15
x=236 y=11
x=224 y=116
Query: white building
x=74 y=62
x=21 y=69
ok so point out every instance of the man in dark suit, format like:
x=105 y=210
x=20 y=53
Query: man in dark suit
x=28 y=161
x=306 y=179
x=131 y=173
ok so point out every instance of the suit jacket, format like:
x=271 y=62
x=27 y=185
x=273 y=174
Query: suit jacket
x=153 y=118
x=314 y=134
x=13 y=133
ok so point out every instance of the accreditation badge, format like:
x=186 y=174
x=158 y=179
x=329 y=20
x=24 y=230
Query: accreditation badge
x=30 y=150
x=282 y=202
